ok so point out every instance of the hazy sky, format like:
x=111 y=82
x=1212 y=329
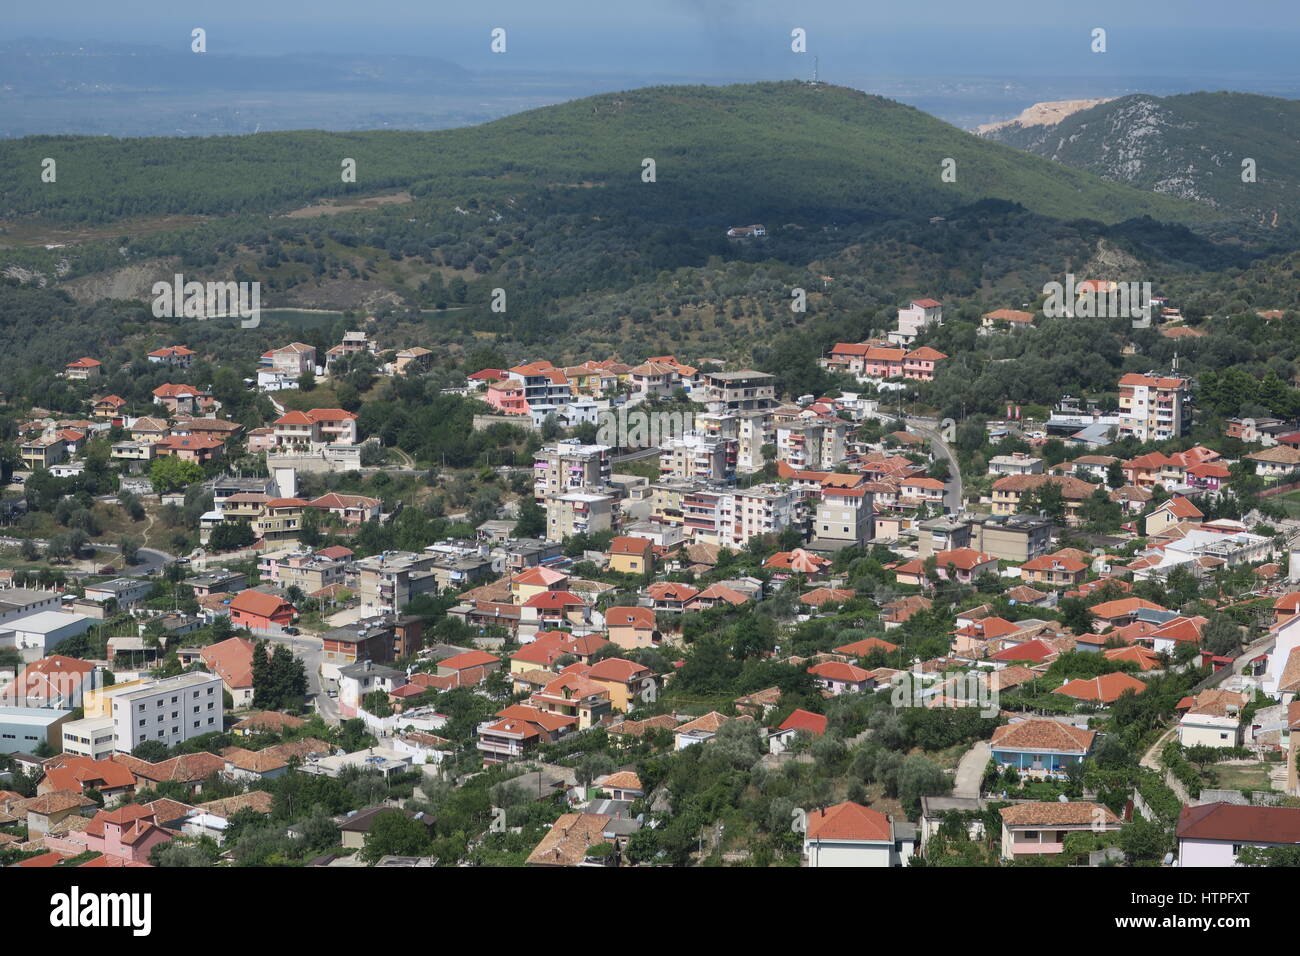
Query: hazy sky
x=1180 y=38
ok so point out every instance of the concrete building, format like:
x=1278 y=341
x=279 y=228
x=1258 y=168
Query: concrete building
x=815 y=445
x=1152 y=407
x=44 y=631
x=1014 y=538
x=20 y=602
x=388 y=581
x=570 y=466
x=698 y=457
x=579 y=512
x=742 y=390
x=170 y=711
x=23 y=729
x=844 y=514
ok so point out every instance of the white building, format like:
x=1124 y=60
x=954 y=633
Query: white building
x=1151 y=408
x=43 y=631
x=912 y=321
x=849 y=834
x=170 y=711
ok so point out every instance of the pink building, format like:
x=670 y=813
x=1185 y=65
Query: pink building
x=128 y=833
x=507 y=397
x=919 y=364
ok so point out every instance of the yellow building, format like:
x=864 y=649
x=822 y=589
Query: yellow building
x=629 y=555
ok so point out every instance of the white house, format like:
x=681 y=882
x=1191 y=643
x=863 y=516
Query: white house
x=1215 y=833
x=849 y=834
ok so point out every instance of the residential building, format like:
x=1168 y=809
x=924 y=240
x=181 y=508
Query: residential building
x=741 y=390
x=844 y=514
x=1040 y=829
x=170 y=711
x=1214 y=834
x=698 y=457
x=851 y=835
x=1041 y=747
x=1152 y=407
x=389 y=581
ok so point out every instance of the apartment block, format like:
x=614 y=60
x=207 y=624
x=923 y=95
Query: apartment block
x=698 y=457
x=1151 y=407
x=570 y=466
x=388 y=581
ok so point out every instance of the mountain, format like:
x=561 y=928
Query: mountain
x=1190 y=146
x=817 y=155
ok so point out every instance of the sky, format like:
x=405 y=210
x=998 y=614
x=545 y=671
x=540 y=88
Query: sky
x=702 y=36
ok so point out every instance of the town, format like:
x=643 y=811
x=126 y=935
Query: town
x=654 y=612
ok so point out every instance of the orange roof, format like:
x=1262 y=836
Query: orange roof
x=864 y=647
x=231 y=660
x=539 y=577
x=1104 y=689
x=963 y=559
x=840 y=671
x=850 y=821
x=671 y=591
x=469 y=659
x=629 y=617
x=819 y=596
x=617 y=669
x=77 y=773
x=805 y=720
x=259 y=603
x=1123 y=607
x=624 y=544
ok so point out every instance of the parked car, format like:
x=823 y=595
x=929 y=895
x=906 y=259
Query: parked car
x=293 y=631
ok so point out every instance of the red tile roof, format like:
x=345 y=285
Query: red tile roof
x=850 y=821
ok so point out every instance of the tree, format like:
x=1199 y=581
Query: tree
x=279 y=679
x=231 y=536
x=129 y=548
x=171 y=473
x=1221 y=636
x=1115 y=477
x=150 y=750
x=394 y=833
x=532 y=519
x=1076 y=616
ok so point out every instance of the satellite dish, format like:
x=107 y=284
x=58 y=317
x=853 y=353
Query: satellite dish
x=1169 y=859
x=1062 y=798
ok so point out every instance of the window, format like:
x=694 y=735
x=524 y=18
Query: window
x=211 y=719
x=142 y=721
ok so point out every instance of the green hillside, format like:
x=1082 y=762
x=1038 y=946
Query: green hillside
x=738 y=154
x=1190 y=146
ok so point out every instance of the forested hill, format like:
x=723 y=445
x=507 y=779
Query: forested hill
x=1191 y=146
x=784 y=152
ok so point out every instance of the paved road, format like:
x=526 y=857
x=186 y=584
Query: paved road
x=148 y=560
x=954 y=494
x=970 y=770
